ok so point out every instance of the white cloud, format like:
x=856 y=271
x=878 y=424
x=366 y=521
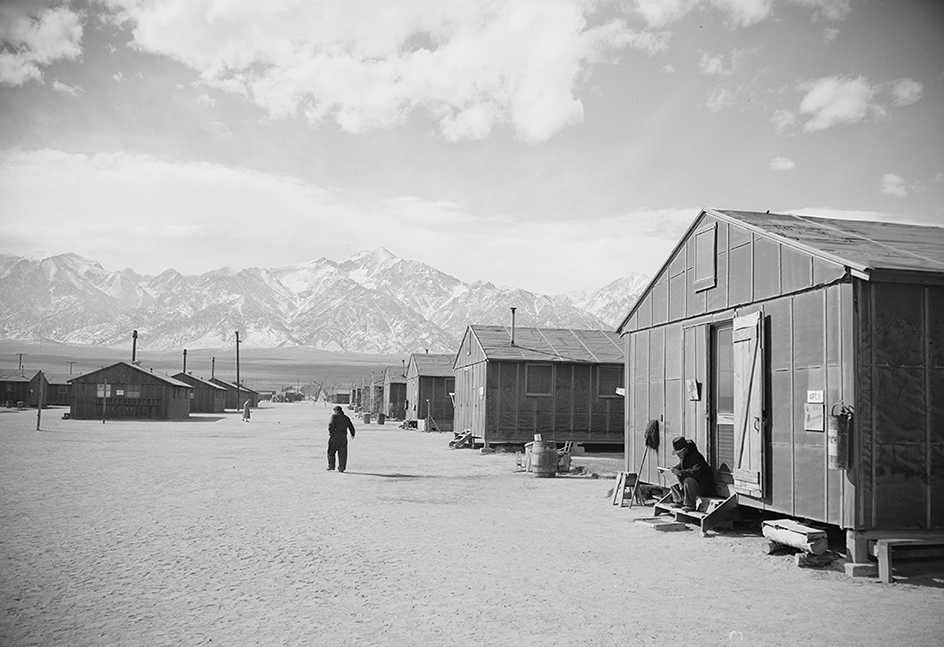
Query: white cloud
x=220 y=129
x=141 y=212
x=66 y=89
x=837 y=100
x=906 y=91
x=720 y=97
x=894 y=185
x=783 y=120
x=830 y=34
x=738 y=13
x=939 y=178
x=668 y=69
x=118 y=76
x=30 y=41
x=473 y=66
x=781 y=164
x=715 y=65
x=827 y=10
x=743 y=13
x=206 y=100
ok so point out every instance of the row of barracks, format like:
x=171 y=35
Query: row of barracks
x=127 y=390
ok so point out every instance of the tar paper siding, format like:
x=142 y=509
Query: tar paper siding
x=900 y=417
x=206 y=397
x=394 y=394
x=492 y=401
x=157 y=398
x=807 y=311
x=429 y=395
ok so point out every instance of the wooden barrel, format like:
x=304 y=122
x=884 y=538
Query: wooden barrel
x=543 y=458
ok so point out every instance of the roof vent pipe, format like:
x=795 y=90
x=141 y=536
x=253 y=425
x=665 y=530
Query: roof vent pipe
x=185 y=360
x=212 y=368
x=134 y=346
x=513 y=326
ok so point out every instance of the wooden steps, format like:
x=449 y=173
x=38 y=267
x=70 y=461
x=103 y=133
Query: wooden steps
x=709 y=513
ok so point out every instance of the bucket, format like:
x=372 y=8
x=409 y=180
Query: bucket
x=543 y=458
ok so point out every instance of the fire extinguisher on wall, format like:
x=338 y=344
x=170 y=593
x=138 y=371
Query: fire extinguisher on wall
x=837 y=436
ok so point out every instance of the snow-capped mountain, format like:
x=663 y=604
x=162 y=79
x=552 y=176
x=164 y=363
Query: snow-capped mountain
x=373 y=302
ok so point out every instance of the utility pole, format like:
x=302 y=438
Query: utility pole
x=238 y=404
x=70 y=367
x=39 y=406
x=21 y=361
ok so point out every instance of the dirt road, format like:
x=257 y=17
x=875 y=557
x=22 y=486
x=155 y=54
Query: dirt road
x=218 y=532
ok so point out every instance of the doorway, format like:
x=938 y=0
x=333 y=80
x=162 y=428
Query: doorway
x=721 y=402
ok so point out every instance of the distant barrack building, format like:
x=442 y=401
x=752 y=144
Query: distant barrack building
x=394 y=392
x=236 y=398
x=126 y=390
x=430 y=386
x=206 y=396
x=563 y=384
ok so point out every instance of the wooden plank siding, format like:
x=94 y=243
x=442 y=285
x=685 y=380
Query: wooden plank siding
x=852 y=310
x=668 y=343
x=135 y=393
x=492 y=396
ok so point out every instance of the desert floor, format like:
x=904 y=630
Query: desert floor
x=217 y=532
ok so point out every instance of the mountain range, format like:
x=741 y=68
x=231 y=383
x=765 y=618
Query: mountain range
x=373 y=302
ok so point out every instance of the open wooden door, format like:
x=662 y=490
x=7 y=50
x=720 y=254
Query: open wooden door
x=749 y=405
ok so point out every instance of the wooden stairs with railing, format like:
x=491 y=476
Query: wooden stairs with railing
x=710 y=512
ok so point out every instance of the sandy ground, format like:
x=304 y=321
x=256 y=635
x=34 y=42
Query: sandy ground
x=218 y=532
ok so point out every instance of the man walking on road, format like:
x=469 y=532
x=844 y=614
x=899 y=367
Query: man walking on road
x=337 y=438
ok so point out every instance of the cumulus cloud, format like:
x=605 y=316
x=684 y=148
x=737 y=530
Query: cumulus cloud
x=781 y=164
x=906 y=91
x=737 y=13
x=30 y=41
x=716 y=65
x=66 y=89
x=720 y=97
x=894 y=185
x=472 y=66
x=783 y=120
x=837 y=100
x=743 y=13
x=827 y=10
x=195 y=217
x=206 y=100
x=220 y=129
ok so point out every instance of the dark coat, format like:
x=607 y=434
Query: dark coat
x=693 y=465
x=339 y=425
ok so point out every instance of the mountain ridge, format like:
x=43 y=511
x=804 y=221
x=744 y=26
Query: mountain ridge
x=371 y=302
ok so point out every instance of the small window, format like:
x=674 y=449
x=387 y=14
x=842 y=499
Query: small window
x=450 y=385
x=540 y=379
x=611 y=378
x=705 y=255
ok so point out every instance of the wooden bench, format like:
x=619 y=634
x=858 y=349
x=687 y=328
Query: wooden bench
x=907 y=547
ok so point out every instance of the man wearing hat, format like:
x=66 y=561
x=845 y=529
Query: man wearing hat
x=337 y=438
x=693 y=473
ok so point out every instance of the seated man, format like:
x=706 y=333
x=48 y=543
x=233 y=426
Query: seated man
x=693 y=473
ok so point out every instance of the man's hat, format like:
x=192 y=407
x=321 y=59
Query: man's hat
x=338 y=409
x=678 y=444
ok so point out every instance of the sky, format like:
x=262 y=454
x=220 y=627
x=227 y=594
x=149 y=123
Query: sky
x=551 y=145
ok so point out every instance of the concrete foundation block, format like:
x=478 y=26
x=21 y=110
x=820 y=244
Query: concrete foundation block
x=861 y=569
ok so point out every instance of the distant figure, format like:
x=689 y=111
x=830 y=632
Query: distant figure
x=337 y=438
x=246 y=412
x=693 y=473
